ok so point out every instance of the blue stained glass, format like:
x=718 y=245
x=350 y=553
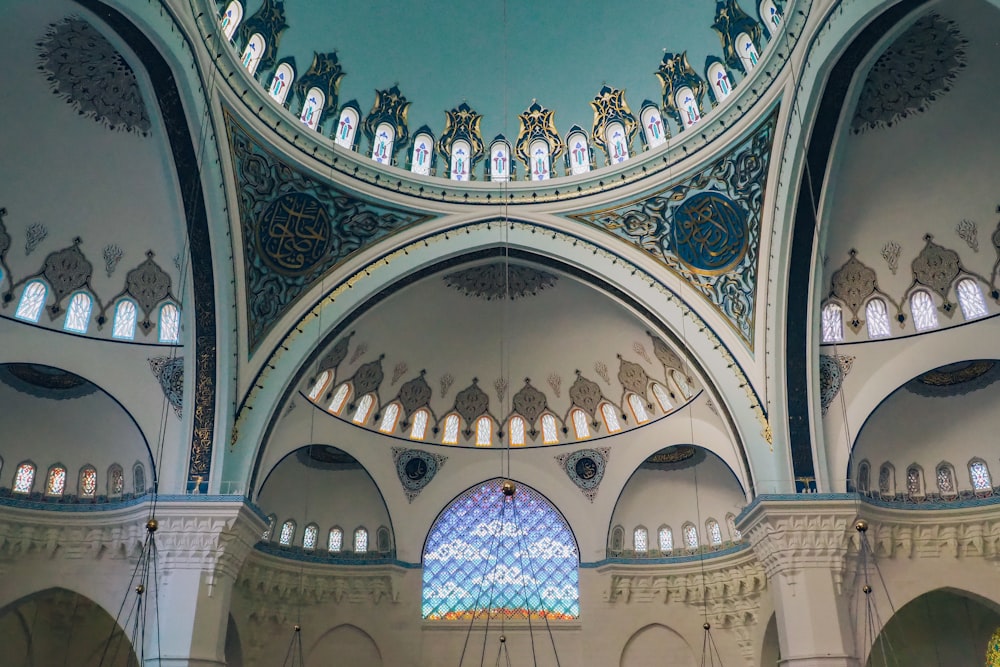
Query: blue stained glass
x=513 y=557
x=980 y=476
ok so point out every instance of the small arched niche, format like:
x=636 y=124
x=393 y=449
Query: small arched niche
x=346 y=645
x=649 y=645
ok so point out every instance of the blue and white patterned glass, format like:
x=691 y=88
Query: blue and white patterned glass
x=611 y=418
x=32 y=301
x=78 y=313
x=666 y=537
x=335 y=541
x=714 y=533
x=287 y=533
x=640 y=540
x=309 y=537
x=923 y=310
x=360 y=541
x=980 y=475
x=833 y=323
x=125 y=319
x=690 y=537
x=877 y=317
x=170 y=323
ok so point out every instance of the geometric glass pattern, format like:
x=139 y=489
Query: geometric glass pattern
x=364 y=405
x=924 y=313
x=287 y=533
x=641 y=540
x=32 y=301
x=945 y=481
x=24 y=478
x=139 y=479
x=913 y=482
x=833 y=323
x=388 y=424
x=980 y=475
x=661 y=397
x=309 y=536
x=638 y=409
x=125 y=318
x=490 y=555
x=516 y=432
x=419 y=424
x=970 y=298
x=681 y=384
x=56 y=483
x=319 y=385
x=170 y=323
x=78 y=313
x=610 y=418
x=116 y=481
x=335 y=541
x=88 y=483
x=666 y=539
x=549 y=434
x=580 y=424
x=878 y=319
x=885 y=480
x=451 y=424
x=271 y=521
x=484 y=432
x=360 y=541
x=714 y=533
x=339 y=399
x=690 y=536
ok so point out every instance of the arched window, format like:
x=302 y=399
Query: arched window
x=253 y=53
x=335 y=541
x=231 y=19
x=319 y=385
x=833 y=323
x=139 y=479
x=88 y=482
x=451 y=424
x=914 y=482
x=877 y=317
x=419 y=428
x=979 y=474
x=718 y=77
x=638 y=408
x=652 y=127
x=541 y=160
x=617 y=142
x=923 y=310
x=610 y=418
x=550 y=434
x=309 y=536
x=690 y=536
x=272 y=521
x=499 y=161
x=382 y=542
x=347 y=127
x=287 y=533
x=29 y=308
x=662 y=397
x=687 y=106
x=770 y=15
x=339 y=398
x=385 y=137
x=665 y=538
x=640 y=540
x=312 y=110
x=55 y=482
x=579 y=153
x=517 y=432
x=484 y=432
x=747 y=51
x=734 y=533
x=24 y=478
x=361 y=540
x=945 y=479
x=525 y=536
x=682 y=384
x=423 y=151
x=864 y=475
x=116 y=480
x=461 y=154
x=617 y=539
x=78 y=313
x=887 y=480
x=169 y=323
x=714 y=532
x=363 y=409
x=970 y=298
x=281 y=83
x=580 y=426
x=389 y=418
x=125 y=319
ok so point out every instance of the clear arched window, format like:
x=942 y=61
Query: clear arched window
x=335 y=541
x=312 y=110
x=484 y=432
x=29 y=308
x=747 y=51
x=687 y=105
x=833 y=323
x=24 y=478
x=714 y=532
x=970 y=299
x=580 y=425
x=517 y=432
x=139 y=479
x=125 y=319
x=451 y=424
x=169 y=323
x=770 y=15
x=640 y=540
x=423 y=151
x=718 y=77
x=319 y=385
x=461 y=156
x=662 y=397
x=525 y=536
x=734 y=533
x=281 y=82
x=690 y=536
x=347 y=128
x=914 y=482
x=887 y=480
x=617 y=142
x=231 y=18
x=253 y=53
x=389 y=418
x=385 y=137
x=638 y=407
x=499 y=161
x=666 y=539
x=550 y=434
x=541 y=160
x=78 y=313
x=610 y=418
x=116 y=480
x=272 y=521
x=979 y=474
x=361 y=540
x=945 y=479
x=55 y=482
x=923 y=310
x=579 y=153
x=309 y=536
x=617 y=539
x=287 y=533
x=682 y=384
x=339 y=398
x=88 y=482
x=877 y=316
x=363 y=409
x=652 y=127
x=419 y=428
x=864 y=475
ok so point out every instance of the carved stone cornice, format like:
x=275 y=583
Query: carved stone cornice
x=118 y=532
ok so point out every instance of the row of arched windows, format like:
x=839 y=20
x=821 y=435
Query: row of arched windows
x=81 y=304
x=88 y=482
x=483 y=429
x=286 y=536
x=665 y=546
x=944 y=478
x=922 y=310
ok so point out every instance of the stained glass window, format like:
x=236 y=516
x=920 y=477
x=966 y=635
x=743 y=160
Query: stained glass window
x=169 y=324
x=88 y=482
x=863 y=474
x=116 y=480
x=616 y=142
x=339 y=398
x=541 y=160
x=666 y=539
x=769 y=14
x=451 y=424
x=640 y=540
x=886 y=480
x=877 y=317
x=78 y=313
x=364 y=407
x=833 y=323
x=385 y=136
x=271 y=522
x=682 y=384
x=347 y=127
x=638 y=409
x=253 y=53
x=970 y=298
x=460 y=154
x=335 y=541
x=652 y=127
x=484 y=432
x=309 y=536
x=32 y=301
x=662 y=397
x=714 y=532
x=499 y=161
x=610 y=418
x=747 y=51
x=980 y=476
x=281 y=83
x=489 y=554
x=517 y=436
x=550 y=434
x=139 y=479
x=389 y=418
x=287 y=533
x=24 y=478
x=580 y=424
x=55 y=484
x=687 y=106
x=360 y=541
x=579 y=153
x=231 y=19
x=923 y=310
x=718 y=78
x=617 y=539
x=312 y=110
x=913 y=486
x=423 y=151
x=945 y=479
x=319 y=385
x=690 y=536
x=382 y=539
x=125 y=318
x=734 y=533
x=419 y=428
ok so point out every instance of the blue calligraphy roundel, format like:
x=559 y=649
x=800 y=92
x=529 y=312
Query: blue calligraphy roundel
x=709 y=233
x=294 y=233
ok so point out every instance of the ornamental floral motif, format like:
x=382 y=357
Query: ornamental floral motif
x=499 y=280
x=169 y=372
x=832 y=371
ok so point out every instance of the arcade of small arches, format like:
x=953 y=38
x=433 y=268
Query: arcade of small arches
x=915 y=487
x=54 y=483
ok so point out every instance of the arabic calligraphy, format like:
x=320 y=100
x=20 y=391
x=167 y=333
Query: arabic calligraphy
x=294 y=233
x=709 y=233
